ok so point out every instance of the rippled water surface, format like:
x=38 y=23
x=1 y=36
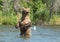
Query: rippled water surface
x=40 y=34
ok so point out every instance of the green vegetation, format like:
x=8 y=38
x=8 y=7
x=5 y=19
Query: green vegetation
x=42 y=11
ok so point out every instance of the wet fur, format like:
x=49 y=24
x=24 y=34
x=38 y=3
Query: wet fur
x=25 y=23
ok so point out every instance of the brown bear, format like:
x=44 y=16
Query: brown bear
x=25 y=23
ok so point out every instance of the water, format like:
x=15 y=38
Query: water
x=40 y=34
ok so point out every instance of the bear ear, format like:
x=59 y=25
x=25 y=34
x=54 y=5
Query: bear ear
x=23 y=8
x=28 y=9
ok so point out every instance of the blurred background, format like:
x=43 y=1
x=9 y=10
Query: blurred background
x=45 y=12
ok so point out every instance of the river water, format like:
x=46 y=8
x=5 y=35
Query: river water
x=39 y=34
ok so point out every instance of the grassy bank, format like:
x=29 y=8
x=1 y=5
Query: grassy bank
x=12 y=20
x=8 y=20
x=55 y=20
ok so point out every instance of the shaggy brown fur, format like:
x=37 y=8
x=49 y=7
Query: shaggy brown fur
x=25 y=23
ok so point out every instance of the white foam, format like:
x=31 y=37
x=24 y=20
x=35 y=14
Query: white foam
x=34 y=27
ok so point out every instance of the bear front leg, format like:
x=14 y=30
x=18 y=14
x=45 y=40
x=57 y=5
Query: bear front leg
x=18 y=25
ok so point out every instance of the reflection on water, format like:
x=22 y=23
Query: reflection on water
x=41 y=34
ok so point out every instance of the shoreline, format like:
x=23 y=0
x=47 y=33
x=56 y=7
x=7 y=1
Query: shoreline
x=43 y=24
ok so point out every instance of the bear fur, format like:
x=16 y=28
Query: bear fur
x=25 y=23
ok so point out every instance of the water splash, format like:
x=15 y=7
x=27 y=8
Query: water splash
x=34 y=27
